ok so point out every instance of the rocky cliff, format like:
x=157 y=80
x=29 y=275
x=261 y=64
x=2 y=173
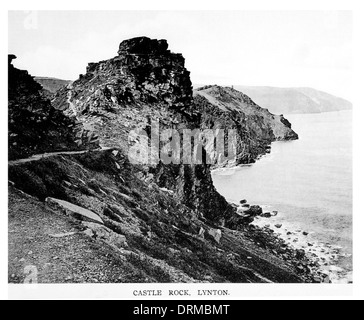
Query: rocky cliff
x=147 y=83
x=34 y=125
x=256 y=127
x=165 y=221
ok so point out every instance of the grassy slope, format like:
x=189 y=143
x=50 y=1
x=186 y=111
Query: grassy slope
x=162 y=235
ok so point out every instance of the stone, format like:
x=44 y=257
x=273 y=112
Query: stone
x=278 y=226
x=201 y=233
x=317 y=279
x=215 y=234
x=101 y=232
x=73 y=210
x=300 y=254
x=266 y=215
x=301 y=269
x=243 y=201
x=243 y=211
x=89 y=233
x=305 y=233
x=62 y=235
x=254 y=211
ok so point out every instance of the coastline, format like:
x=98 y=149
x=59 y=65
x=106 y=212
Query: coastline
x=325 y=255
x=315 y=262
x=323 y=244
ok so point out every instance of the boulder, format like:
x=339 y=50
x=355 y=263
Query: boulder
x=243 y=211
x=300 y=254
x=254 y=211
x=279 y=225
x=266 y=215
x=327 y=279
x=214 y=234
x=73 y=210
x=101 y=232
x=243 y=201
x=201 y=233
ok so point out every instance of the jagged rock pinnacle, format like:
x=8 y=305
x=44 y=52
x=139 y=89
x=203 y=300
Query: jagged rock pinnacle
x=143 y=45
x=11 y=57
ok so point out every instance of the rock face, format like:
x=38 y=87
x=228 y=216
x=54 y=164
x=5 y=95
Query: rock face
x=144 y=83
x=34 y=125
x=256 y=127
x=147 y=83
x=145 y=72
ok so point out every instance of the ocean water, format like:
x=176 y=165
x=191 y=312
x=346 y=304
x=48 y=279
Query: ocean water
x=308 y=181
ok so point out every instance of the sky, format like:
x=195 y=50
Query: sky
x=257 y=48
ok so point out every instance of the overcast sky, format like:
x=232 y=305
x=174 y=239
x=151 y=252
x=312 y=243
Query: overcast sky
x=267 y=48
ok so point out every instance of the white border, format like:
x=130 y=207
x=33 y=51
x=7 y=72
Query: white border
x=238 y=291
x=125 y=291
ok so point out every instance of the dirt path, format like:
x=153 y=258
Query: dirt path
x=37 y=157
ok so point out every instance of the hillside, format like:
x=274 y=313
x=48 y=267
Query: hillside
x=295 y=100
x=154 y=220
x=34 y=125
x=52 y=84
x=257 y=128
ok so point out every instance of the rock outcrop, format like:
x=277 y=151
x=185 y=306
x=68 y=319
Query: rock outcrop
x=257 y=128
x=34 y=125
x=146 y=83
x=75 y=211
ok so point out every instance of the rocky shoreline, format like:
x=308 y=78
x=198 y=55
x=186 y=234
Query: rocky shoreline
x=315 y=261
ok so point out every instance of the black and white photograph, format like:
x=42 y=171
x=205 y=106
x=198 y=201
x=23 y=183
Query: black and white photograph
x=151 y=151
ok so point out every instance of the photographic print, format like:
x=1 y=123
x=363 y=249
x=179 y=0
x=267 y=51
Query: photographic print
x=180 y=147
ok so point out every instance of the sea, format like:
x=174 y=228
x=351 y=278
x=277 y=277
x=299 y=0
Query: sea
x=310 y=183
